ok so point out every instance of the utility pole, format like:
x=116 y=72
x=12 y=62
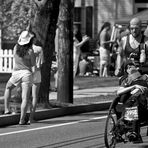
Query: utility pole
x=65 y=52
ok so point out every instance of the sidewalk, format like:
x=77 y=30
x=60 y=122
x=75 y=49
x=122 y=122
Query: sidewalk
x=75 y=109
x=91 y=92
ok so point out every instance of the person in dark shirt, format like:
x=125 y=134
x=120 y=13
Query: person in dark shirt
x=132 y=46
x=133 y=93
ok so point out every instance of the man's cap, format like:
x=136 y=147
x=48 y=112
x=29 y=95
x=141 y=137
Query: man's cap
x=25 y=37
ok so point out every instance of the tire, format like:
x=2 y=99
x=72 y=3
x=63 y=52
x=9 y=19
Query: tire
x=109 y=136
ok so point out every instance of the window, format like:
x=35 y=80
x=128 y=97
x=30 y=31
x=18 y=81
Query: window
x=77 y=16
x=89 y=13
x=141 y=9
x=87 y=19
x=141 y=1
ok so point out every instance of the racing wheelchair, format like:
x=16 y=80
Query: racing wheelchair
x=118 y=127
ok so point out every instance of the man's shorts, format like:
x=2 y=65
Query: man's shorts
x=37 y=76
x=23 y=77
x=103 y=62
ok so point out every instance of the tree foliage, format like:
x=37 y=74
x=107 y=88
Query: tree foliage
x=15 y=16
x=41 y=16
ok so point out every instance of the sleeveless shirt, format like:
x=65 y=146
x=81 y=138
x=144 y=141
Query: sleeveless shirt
x=22 y=63
x=136 y=52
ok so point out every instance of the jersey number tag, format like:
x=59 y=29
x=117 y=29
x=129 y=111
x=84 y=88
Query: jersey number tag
x=131 y=113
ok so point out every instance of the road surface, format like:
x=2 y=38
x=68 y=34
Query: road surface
x=77 y=131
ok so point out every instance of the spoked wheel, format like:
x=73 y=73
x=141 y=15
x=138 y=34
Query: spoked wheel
x=109 y=135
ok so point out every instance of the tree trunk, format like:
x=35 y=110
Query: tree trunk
x=44 y=26
x=65 y=52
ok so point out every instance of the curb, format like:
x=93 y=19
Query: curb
x=13 y=119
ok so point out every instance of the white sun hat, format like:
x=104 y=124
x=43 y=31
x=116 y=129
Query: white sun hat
x=25 y=37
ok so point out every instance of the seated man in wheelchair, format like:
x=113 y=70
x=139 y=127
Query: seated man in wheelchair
x=132 y=94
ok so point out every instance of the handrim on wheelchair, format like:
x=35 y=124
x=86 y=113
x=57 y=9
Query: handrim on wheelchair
x=118 y=127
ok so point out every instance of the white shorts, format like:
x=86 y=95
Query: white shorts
x=23 y=77
x=104 y=54
x=37 y=76
x=104 y=63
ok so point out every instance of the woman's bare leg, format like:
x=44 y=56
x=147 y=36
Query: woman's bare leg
x=25 y=97
x=35 y=91
x=7 y=96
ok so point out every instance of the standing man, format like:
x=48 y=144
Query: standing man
x=132 y=46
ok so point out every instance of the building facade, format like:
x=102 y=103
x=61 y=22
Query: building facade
x=91 y=14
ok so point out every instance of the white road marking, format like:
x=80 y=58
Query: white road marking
x=51 y=126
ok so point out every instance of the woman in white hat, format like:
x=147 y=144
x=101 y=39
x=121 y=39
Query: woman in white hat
x=22 y=75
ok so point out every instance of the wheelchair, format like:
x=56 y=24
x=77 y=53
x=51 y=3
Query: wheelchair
x=118 y=127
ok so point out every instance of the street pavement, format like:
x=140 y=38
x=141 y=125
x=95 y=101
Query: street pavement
x=13 y=119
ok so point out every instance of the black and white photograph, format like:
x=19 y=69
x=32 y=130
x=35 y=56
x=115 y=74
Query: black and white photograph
x=73 y=74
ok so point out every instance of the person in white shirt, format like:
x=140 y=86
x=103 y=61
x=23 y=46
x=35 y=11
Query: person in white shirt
x=38 y=51
x=77 y=44
x=132 y=46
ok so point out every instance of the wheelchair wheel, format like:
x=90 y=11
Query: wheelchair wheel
x=109 y=135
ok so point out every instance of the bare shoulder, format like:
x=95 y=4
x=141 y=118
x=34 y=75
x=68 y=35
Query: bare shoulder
x=102 y=34
x=124 y=38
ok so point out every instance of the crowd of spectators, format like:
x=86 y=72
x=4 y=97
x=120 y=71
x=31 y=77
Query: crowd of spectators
x=130 y=43
x=108 y=52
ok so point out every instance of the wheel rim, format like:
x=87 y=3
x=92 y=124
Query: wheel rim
x=110 y=140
